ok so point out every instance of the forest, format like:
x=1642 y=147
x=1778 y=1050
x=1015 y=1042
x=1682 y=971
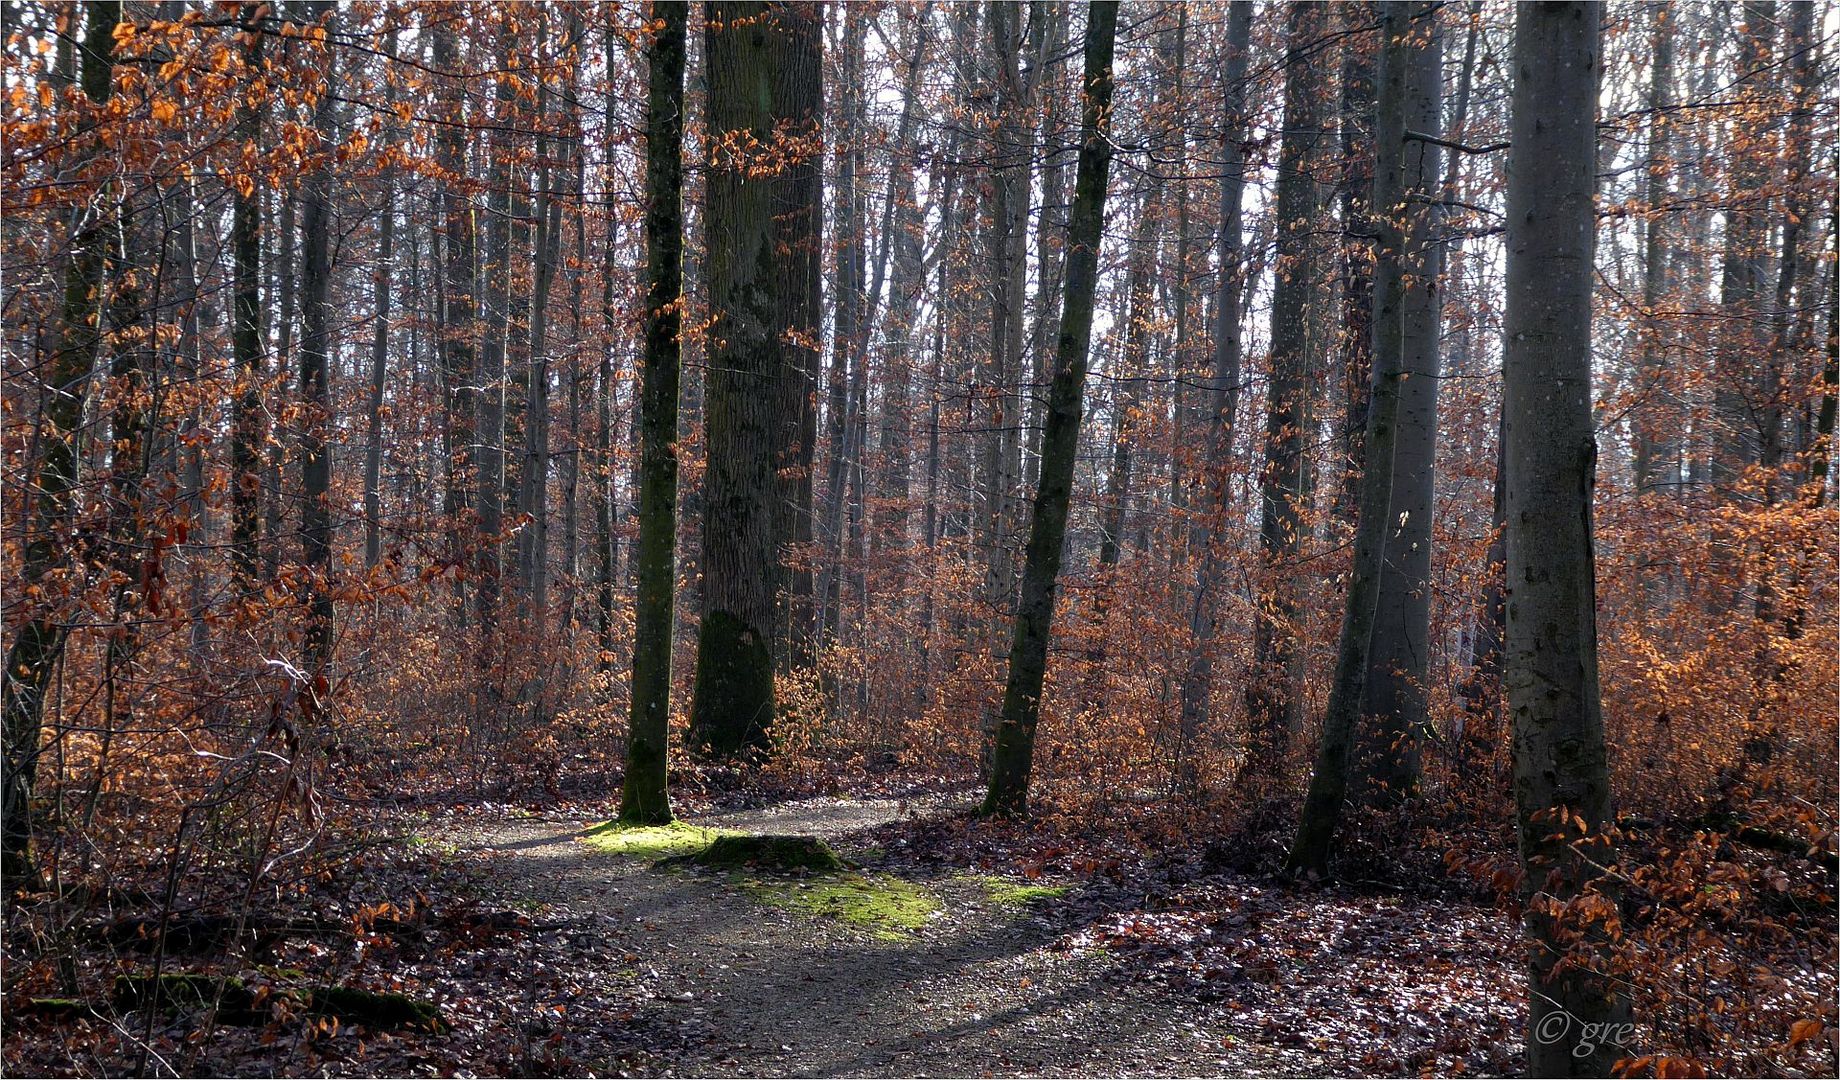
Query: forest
x=920 y=538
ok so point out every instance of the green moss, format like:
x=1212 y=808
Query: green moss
x=771 y=853
x=651 y=842
x=1013 y=894
x=884 y=905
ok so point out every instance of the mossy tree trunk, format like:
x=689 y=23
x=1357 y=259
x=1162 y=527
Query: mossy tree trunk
x=1013 y=753
x=732 y=704
x=644 y=797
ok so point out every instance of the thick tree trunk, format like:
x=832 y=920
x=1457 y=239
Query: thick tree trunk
x=1561 y=779
x=732 y=705
x=1013 y=755
x=644 y=798
x=1394 y=708
x=799 y=217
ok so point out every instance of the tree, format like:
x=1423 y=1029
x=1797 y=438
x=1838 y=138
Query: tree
x=1014 y=749
x=732 y=701
x=1561 y=775
x=644 y=798
x=1393 y=703
x=1273 y=693
x=1322 y=805
x=315 y=359
x=38 y=642
x=247 y=430
x=1224 y=384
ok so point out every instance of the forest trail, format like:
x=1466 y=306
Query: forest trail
x=739 y=987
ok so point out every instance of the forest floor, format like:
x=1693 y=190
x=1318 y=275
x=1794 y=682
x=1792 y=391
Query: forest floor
x=957 y=947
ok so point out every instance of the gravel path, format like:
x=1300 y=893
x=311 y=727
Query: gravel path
x=739 y=988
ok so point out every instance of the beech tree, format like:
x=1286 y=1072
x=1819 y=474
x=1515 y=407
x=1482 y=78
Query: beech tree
x=1014 y=749
x=644 y=798
x=1561 y=775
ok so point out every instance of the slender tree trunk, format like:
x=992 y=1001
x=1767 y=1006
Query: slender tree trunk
x=644 y=798
x=380 y=348
x=1127 y=380
x=247 y=426
x=1561 y=778
x=1322 y=807
x=1651 y=451
x=1273 y=694
x=1014 y=751
x=1394 y=705
x=457 y=316
x=315 y=383
x=39 y=640
x=494 y=326
x=1223 y=391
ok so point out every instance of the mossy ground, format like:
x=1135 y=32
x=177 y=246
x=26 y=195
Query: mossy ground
x=1015 y=894
x=817 y=882
x=886 y=906
x=652 y=842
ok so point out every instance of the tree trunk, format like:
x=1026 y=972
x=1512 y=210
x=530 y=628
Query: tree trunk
x=315 y=383
x=1655 y=458
x=799 y=216
x=1223 y=391
x=732 y=704
x=457 y=315
x=248 y=429
x=1561 y=778
x=1322 y=806
x=39 y=640
x=1394 y=708
x=1273 y=694
x=644 y=797
x=1014 y=751
x=380 y=348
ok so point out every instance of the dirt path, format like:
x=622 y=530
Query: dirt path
x=740 y=988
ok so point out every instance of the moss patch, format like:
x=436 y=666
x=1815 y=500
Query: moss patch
x=886 y=906
x=651 y=841
x=1012 y=894
x=771 y=853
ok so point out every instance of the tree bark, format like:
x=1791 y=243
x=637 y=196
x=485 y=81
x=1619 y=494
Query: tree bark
x=1014 y=751
x=1273 y=694
x=1561 y=777
x=315 y=377
x=732 y=704
x=644 y=797
x=39 y=640
x=1223 y=391
x=1394 y=708
x=1322 y=806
